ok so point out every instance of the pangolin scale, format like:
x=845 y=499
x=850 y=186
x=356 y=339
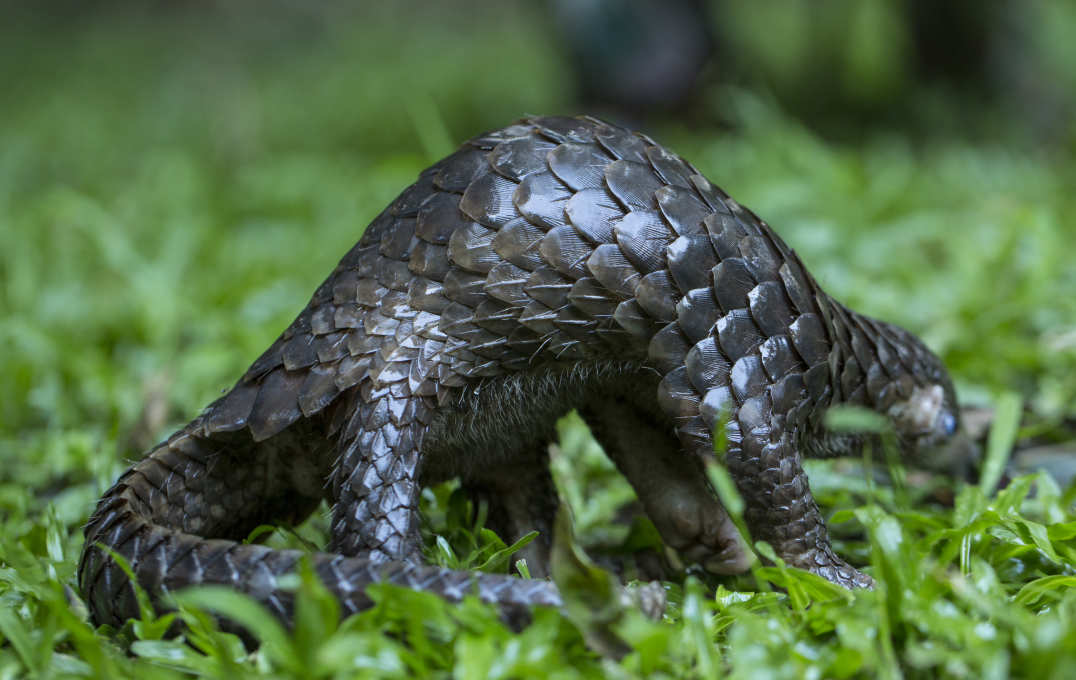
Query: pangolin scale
x=557 y=263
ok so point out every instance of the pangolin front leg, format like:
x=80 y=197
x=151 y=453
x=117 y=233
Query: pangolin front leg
x=779 y=508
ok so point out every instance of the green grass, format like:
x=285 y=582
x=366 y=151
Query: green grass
x=172 y=191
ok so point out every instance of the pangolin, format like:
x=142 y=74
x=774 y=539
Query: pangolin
x=556 y=263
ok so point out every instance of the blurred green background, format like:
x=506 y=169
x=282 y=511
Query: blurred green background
x=177 y=178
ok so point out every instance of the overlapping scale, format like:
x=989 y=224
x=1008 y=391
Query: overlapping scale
x=612 y=270
x=671 y=168
x=667 y=348
x=633 y=184
x=770 y=308
x=541 y=198
x=717 y=404
x=732 y=282
x=760 y=258
x=565 y=129
x=808 y=335
x=505 y=282
x=725 y=234
x=566 y=251
x=456 y=172
x=331 y=348
x=539 y=318
x=230 y=412
x=747 y=377
x=519 y=158
x=426 y=295
x=277 y=403
x=707 y=367
x=778 y=357
x=489 y=200
x=472 y=249
x=690 y=259
x=348 y=315
x=621 y=144
x=496 y=317
x=548 y=287
x=697 y=312
x=682 y=208
x=299 y=352
x=797 y=286
x=518 y=241
x=393 y=274
x=644 y=239
x=430 y=261
x=711 y=195
x=677 y=396
x=439 y=217
x=788 y=392
x=737 y=334
x=319 y=389
x=657 y=295
x=464 y=287
x=631 y=317
x=592 y=298
x=579 y=166
x=593 y=212
x=397 y=242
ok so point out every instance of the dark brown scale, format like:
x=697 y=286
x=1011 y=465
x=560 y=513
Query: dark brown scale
x=613 y=270
x=594 y=213
x=672 y=169
x=520 y=158
x=732 y=283
x=596 y=301
x=643 y=237
x=697 y=312
x=769 y=308
x=778 y=356
x=668 y=348
x=579 y=166
x=540 y=199
x=682 y=208
x=738 y=334
x=690 y=260
x=633 y=319
x=518 y=242
x=558 y=263
x=657 y=295
x=707 y=367
x=622 y=144
x=566 y=251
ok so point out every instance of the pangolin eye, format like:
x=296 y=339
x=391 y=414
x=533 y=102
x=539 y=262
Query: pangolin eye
x=947 y=423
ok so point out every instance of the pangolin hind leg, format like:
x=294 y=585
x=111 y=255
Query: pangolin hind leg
x=376 y=479
x=520 y=497
x=670 y=484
